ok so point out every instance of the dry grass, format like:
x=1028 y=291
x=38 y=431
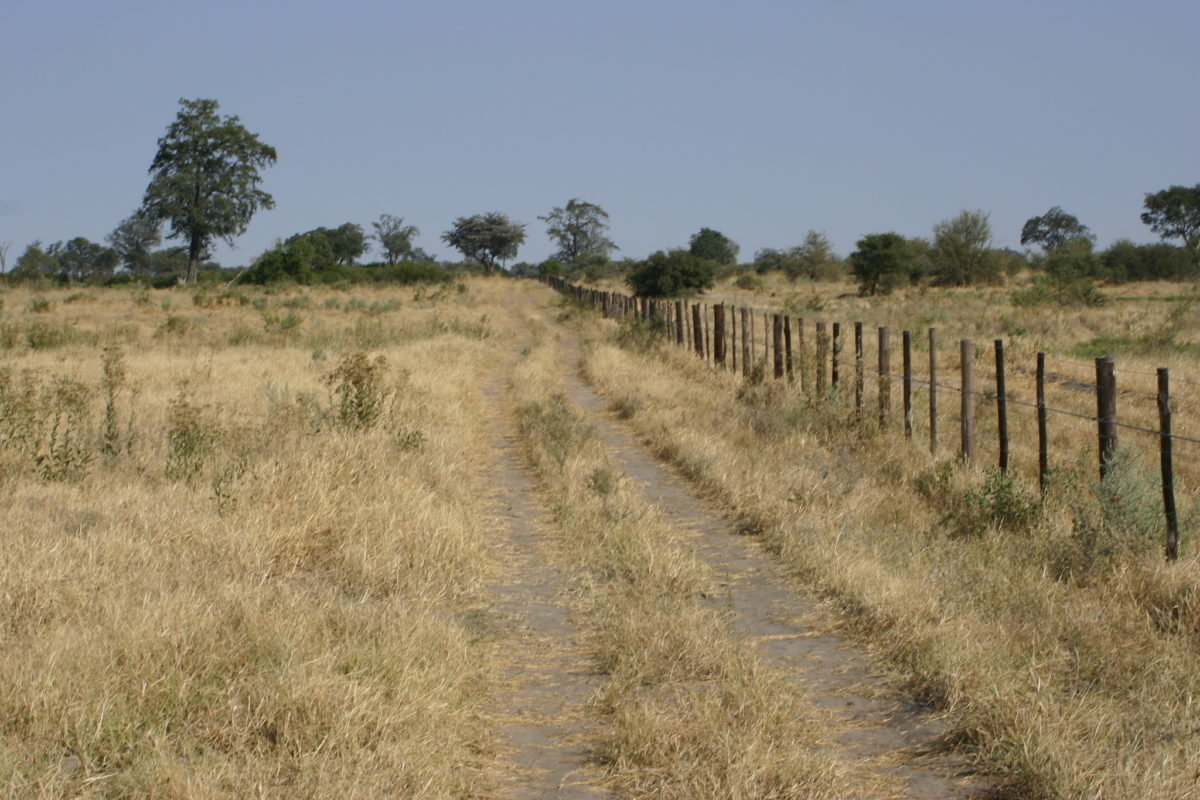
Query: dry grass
x=213 y=584
x=1070 y=650
x=690 y=711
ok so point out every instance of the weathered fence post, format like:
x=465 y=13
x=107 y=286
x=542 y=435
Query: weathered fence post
x=802 y=357
x=733 y=339
x=719 y=334
x=777 y=336
x=707 y=336
x=1001 y=406
x=906 y=339
x=835 y=358
x=745 y=343
x=1106 y=411
x=787 y=340
x=1043 y=443
x=822 y=347
x=966 y=356
x=933 y=387
x=858 y=372
x=1168 y=474
x=885 y=377
x=697 y=331
x=679 y=326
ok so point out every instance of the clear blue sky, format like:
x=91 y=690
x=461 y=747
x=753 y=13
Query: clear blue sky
x=759 y=119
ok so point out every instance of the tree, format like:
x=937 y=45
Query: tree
x=204 y=179
x=714 y=246
x=1174 y=213
x=36 y=262
x=962 y=251
x=81 y=258
x=4 y=246
x=486 y=238
x=814 y=258
x=882 y=262
x=578 y=230
x=671 y=274
x=295 y=260
x=1054 y=229
x=394 y=237
x=134 y=238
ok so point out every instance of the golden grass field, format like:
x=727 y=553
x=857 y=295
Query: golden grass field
x=249 y=534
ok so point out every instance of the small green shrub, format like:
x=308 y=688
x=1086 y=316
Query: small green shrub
x=40 y=305
x=190 y=438
x=65 y=448
x=358 y=392
x=46 y=336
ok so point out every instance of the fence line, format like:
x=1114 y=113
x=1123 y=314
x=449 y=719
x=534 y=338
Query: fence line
x=818 y=374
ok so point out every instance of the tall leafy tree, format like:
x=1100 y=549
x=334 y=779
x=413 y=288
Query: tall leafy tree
x=578 y=229
x=962 y=250
x=713 y=246
x=204 y=180
x=37 y=261
x=882 y=262
x=394 y=237
x=82 y=258
x=133 y=240
x=1054 y=229
x=1174 y=213
x=486 y=238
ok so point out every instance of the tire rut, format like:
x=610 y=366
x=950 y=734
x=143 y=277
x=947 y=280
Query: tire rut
x=544 y=723
x=880 y=728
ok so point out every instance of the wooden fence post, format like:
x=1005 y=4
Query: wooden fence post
x=858 y=372
x=745 y=343
x=719 y=334
x=787 y=340
x=1043 y=439
x=777 y=335
x=1106 y=411
x=707 y=333
x=679 y=322
x=885 y=377
x=1001 y=406
x=697 y=331
x=906 y=338
x=822 y=346
x=835 y=359
x=1168 y=475
x=966 y=357
x=802 y=357
x=733 y=338
x=933 y=392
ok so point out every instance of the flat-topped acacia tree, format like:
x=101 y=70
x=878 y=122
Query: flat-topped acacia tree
x=204 y=179
x=486 y=238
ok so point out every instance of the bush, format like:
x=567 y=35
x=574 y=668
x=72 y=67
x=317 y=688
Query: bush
x=671 y=274
x=357 y=388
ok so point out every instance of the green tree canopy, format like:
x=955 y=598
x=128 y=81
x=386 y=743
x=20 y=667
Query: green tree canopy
x=1054 y=229
x=204 y=178
x=962 y=251
x=486 y=238
x=672 y=274
x=295 y=260
x=344 y=244
x=882 y=262
x=713 y=246
x=394 y=237
x=578 y=230
x=133 y=240
x=82 y=258
x=1174 y=213
x=37 y=262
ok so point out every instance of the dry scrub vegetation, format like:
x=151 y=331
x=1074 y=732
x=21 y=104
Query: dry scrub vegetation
x=1069 y=649
x=690 y=711
x=244 y=543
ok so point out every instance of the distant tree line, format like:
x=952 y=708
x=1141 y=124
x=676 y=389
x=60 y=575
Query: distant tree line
x=205 y=186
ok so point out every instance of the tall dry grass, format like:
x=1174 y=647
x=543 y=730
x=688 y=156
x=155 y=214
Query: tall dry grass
x=1067 y=647
x=244 y=543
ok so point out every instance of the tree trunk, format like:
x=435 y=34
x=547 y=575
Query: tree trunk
x=195 y=247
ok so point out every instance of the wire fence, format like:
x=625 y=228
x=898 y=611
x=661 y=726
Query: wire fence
x=812 y=356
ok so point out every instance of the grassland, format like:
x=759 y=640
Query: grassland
x=1056 y=631
x=243 y=543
